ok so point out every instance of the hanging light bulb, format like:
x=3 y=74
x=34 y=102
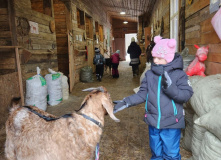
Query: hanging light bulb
x=125 y=22
x=122 y=12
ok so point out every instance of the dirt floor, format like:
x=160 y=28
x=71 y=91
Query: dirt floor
x=126 y=140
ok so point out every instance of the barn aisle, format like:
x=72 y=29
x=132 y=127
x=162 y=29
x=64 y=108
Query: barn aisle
x=127 y=140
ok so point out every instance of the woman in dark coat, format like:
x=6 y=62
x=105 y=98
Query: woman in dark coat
x=134 y=51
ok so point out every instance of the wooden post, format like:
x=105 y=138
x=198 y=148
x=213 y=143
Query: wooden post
x=19 y=75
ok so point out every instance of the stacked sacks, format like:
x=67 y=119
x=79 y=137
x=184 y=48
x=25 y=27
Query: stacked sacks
x=186 y=141
x=36 y=91
x=206 y=103
x=54 y=85
x=65 y=86
x=211 y=143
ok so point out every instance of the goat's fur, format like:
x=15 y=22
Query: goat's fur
x=30 y=137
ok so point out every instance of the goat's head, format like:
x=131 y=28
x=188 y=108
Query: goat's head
x=100 y=96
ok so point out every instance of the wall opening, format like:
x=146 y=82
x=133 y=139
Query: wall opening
x=80 y=19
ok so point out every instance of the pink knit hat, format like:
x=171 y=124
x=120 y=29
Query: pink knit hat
x=164 y=48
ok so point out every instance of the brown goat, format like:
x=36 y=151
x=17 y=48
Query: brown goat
x=33 y=134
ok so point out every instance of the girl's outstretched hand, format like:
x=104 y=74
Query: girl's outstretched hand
x=120 y=105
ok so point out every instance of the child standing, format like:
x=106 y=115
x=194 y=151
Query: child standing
x=164 y=88
x=99 y=61
x=115 y=59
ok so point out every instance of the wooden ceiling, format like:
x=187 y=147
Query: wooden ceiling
x=133 y=8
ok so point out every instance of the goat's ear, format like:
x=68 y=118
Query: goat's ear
x=108 y=105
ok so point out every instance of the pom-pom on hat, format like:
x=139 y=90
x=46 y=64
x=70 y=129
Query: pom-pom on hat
x=96 y=50
x=132 y=39
x=117 y=51
x=164 y=48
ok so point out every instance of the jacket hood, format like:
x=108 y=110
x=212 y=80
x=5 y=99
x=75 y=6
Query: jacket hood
x=177 y=63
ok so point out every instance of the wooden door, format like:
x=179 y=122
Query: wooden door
x=90 y=51
x=147 y=32
x=71 y=61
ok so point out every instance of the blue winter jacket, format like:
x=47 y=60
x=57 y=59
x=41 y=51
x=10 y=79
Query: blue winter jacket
x=164 y=107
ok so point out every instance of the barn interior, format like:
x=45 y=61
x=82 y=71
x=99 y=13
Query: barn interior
x=62 y=34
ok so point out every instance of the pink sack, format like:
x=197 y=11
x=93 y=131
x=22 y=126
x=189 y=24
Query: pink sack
x=216 y=22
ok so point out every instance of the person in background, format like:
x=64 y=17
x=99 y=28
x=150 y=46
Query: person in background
x=134 y=51
x=99 y=61
x=115 y=59
x=164 y=88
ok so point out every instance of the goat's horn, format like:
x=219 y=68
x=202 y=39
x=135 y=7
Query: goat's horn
x=91 y=89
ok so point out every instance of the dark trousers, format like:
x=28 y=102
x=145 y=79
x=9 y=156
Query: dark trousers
x=115 y=72
x=135 y=69
x=99 y=71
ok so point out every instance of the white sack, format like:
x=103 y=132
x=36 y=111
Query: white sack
x=188 y=131
x=36 y=91
x=198 y=134
x=54 y=87
x=65 y=86
x=207 y=92
x=210 y=147
x=212 y=121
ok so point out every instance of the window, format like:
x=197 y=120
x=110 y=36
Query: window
x=80 y=19
x=174 y=20
x=42 y=6
x=89 y=27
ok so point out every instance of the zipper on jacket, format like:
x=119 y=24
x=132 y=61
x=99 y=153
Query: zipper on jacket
x=146 y=103
x=174 y=108
x=158 y=102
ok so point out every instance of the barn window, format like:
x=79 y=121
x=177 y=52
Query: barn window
x=101 y=33
x=89 y=27
x=42 y=6
x=80 y=19
x=174 y=20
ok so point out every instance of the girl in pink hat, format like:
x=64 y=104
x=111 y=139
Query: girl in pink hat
x=164 y=88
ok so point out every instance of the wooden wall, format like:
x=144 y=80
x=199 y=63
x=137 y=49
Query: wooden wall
x=60 y=15
x=9 y=89
x=39 y=45
x=199 y=30
x=7 y=63
x=119 y=29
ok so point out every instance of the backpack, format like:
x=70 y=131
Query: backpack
x=98 y=59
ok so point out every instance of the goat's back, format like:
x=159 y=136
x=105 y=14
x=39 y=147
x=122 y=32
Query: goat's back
x=30 y=137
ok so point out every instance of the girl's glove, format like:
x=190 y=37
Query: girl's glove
x=120 y=105
x=166 y=81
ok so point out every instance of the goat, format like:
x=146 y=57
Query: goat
x=33 y=134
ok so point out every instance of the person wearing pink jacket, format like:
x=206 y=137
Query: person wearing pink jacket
x=115 y=58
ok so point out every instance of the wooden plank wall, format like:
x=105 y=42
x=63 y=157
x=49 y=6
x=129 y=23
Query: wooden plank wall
x=37 y=44
x=79 y=44
x=7 y=63
x=9 y=90
x=161 y=9
x=199 y=30
x=60 y=14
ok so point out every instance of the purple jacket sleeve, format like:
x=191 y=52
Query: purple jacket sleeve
x=140 y=96
x=181 y=91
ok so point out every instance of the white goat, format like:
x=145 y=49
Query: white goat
x=33 y=134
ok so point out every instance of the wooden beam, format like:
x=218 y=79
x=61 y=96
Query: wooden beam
x=19 y=75
x=11 y=11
